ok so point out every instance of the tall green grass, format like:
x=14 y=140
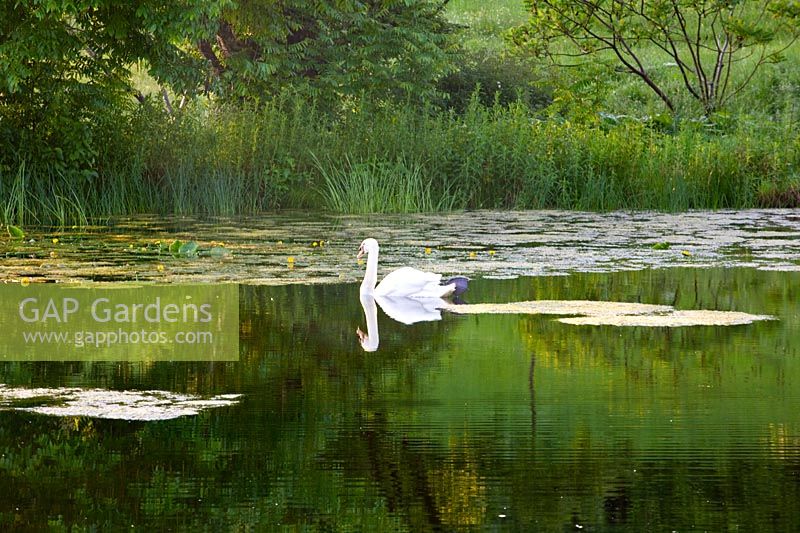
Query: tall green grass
x=380 y=187
x=33 y=194
x=377 y=157
x=289 y=154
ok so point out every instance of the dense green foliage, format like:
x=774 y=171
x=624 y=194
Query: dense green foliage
x=65 y=75
x=391 y=48
x=288 y=154
x=66 y=95
x=314 y=105
x=701 y=40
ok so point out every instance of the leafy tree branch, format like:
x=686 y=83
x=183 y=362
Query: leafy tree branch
x=703 y=39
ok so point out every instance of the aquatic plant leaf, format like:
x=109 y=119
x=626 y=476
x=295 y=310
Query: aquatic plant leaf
x=188 y=249
x=660 y=246
x=15 y=233
x=562 y=243
x=219 y=251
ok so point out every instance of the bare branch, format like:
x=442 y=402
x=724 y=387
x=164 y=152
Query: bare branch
x=167 y=103
x=693 y=53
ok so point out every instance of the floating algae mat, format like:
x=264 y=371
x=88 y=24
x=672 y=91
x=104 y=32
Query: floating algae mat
x=313 y=248
x=613 y=313
x=110 y=404
x=673 y=319
x=561 y=307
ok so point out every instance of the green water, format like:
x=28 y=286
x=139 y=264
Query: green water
x=485 y=422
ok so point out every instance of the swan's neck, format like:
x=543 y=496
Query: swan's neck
x=371 y=275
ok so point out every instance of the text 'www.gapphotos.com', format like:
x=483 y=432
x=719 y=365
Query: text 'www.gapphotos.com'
x=81 y=339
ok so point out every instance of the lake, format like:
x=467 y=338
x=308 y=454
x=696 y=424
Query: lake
x=510 y=421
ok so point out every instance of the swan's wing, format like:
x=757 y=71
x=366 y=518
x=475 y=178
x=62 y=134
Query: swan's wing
x=407 y=281
x=435 y=290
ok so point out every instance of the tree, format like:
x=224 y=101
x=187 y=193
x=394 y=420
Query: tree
x=330 y=47
x=65 y=67
x=703 y=39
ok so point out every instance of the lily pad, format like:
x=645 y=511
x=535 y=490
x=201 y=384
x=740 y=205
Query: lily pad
x=219 y=251
x=15 y=233
x=188 y=249
x=533 y=243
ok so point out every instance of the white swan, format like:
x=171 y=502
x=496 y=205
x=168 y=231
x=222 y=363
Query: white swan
x=408 y=282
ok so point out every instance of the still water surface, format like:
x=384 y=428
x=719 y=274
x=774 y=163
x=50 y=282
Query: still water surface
x=485 y=422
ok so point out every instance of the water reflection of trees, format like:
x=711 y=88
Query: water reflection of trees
x=330 y=437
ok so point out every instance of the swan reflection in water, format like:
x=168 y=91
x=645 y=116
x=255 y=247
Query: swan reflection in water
x=406 y=295
x=400 y=308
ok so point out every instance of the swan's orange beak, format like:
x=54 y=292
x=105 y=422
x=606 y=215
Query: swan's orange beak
x=360 y=252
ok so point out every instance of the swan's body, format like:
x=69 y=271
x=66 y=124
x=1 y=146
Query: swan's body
x=404 y=282
x=410 y=282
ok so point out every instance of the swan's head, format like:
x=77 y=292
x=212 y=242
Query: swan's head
x=367 y=247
